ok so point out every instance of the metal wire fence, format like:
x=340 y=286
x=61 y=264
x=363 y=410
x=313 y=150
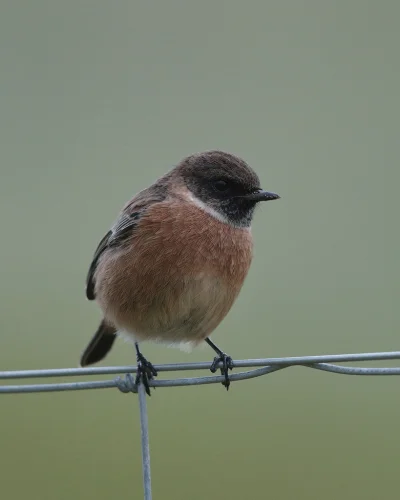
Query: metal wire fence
x=126 y=384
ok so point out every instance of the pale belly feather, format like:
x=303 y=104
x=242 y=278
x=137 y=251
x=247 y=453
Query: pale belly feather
x=188 y=311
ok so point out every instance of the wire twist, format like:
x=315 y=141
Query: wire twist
x=261 y=367
x=127 y=383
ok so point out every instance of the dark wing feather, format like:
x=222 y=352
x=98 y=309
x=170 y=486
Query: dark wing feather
x=121 y=230
x=90 y=275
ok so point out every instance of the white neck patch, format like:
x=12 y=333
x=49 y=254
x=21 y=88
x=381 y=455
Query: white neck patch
x=206 y=208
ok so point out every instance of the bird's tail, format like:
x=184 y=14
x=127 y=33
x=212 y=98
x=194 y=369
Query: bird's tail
x=100 y=344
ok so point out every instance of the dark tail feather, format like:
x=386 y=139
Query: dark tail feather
x=100 y=344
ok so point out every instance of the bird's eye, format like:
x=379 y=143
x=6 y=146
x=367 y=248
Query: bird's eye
x=221 y=185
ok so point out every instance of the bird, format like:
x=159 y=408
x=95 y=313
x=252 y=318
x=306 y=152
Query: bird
x=174 y=261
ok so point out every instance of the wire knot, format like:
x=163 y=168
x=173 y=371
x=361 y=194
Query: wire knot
x=127 y=384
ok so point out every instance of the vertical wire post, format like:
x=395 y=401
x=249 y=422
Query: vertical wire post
x=144 y=429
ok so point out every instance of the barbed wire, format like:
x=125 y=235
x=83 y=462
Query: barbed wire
x=127 y=383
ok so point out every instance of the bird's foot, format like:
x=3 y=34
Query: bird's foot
x=145 y=372
x=227 y=364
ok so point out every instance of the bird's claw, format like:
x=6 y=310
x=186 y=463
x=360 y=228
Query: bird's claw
x=145 y=372
x=227 y=364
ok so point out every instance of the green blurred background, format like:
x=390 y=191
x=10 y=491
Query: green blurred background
x=98 y=99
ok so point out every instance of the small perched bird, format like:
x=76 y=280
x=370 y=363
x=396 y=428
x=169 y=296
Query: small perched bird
x=175 y=260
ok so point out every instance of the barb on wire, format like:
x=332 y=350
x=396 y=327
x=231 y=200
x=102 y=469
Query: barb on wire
x=262 y=367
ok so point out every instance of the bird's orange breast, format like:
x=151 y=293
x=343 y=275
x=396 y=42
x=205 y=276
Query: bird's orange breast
x=178 y=276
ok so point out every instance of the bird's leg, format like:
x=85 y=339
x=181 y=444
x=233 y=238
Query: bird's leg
x=145 y=370
x=227 y=363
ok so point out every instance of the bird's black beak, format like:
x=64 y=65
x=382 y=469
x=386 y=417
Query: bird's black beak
x=261 y=195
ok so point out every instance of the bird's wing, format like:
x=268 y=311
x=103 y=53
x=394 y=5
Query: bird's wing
x=120 y=232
